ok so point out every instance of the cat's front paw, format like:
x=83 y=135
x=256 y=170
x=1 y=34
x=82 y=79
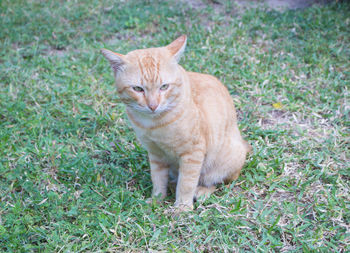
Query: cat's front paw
x=179 y=208
x=154 y=200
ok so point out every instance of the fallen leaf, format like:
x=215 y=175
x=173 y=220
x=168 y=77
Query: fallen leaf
x=278 y=105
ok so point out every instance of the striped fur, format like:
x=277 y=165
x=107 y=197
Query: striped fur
x=189 y=126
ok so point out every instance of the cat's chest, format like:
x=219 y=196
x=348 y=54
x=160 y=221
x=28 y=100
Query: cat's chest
x=157 y=139
x=175 y=134
x=162 y=144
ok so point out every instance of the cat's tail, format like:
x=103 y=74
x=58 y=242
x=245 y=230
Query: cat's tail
x=248 y=147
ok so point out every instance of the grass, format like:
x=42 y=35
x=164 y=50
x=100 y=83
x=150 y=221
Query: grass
x=73 y=178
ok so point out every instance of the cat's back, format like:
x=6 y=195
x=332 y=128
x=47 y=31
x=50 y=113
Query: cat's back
x=208 y=89
x=204 y=81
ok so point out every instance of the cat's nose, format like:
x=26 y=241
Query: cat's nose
x=152 y=101
x=152 y=106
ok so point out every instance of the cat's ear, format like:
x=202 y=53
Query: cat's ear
x=177 y=47
x=116 y=60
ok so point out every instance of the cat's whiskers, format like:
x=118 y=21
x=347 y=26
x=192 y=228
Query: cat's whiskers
x=151 y=122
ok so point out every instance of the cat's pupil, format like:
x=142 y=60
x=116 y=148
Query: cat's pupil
x=164 y=86
x=138 y=89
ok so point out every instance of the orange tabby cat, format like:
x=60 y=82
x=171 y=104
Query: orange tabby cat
x=186 y=121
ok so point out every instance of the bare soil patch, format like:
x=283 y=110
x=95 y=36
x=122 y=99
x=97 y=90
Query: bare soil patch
x=271 y=4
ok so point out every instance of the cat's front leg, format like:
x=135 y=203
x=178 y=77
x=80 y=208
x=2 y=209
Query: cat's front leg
x=189 y=172
x=159 y=175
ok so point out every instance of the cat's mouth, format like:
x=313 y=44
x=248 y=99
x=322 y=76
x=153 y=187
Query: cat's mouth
x=146 y=110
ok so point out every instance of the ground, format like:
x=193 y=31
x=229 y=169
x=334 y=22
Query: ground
x=73 y=178
x=279 y=5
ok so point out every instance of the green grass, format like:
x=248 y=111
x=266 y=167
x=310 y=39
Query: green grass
x=73 y=178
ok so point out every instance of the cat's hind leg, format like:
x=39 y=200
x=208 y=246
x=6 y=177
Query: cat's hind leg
x=237 y=158
x=204 y=192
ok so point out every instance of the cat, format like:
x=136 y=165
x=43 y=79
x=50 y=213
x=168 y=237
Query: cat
x=186 y=121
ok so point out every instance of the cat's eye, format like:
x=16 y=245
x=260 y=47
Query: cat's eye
x=138 y=88
x=164 y=87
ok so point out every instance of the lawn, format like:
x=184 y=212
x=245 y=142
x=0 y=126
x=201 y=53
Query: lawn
x=73 y=177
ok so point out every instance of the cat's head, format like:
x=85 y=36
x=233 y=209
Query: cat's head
x=149 y=80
